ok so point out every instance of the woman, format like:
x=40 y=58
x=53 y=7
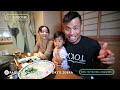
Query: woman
x=44 y=45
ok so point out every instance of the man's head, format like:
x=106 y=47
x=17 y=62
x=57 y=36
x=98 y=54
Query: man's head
x=72 y=26
x=70 y=16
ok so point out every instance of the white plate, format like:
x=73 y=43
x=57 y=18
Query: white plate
x=44 y=68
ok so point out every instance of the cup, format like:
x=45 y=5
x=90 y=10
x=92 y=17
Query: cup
x=17 y=54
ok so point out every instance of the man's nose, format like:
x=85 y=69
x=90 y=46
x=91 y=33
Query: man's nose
x=71 y=32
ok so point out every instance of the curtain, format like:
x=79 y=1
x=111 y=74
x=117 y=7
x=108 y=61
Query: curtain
x=23 y=31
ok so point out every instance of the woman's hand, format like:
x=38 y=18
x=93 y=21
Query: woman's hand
x=36 y=54
x=41 y=55
x=106 y=56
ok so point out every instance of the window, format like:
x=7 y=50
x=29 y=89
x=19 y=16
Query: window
x=101 y=25
x=5 y=36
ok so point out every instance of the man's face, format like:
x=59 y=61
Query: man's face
x=72 y=30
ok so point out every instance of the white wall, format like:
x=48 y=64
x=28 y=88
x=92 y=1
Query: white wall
x=38 y=15
x=48 y=18
x=52 y=20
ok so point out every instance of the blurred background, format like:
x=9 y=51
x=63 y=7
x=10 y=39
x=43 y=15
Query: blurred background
x=18 y=30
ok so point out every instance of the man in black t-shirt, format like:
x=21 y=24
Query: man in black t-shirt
x=84 y=52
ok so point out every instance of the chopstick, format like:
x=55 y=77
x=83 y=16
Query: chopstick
x=16 y=62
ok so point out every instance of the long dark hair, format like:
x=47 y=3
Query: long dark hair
x=40 y=29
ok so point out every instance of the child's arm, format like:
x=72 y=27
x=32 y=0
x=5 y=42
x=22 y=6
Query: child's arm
x=58 y=59
x=54 y=61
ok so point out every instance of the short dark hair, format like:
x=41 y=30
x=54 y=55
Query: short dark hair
x=59 y=34
x=40 y=29
x=70 y=16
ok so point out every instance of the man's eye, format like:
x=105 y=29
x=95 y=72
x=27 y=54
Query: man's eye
x=67 y=29
x=75 y=28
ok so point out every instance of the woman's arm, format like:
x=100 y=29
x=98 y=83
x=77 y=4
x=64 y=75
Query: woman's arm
x=36 y=48
x=49 y=49
x=47 y=52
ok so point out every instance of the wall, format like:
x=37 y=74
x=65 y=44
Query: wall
x=48 y=18
x=38 y=15
x=52 y=20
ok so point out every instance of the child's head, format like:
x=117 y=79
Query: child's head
x=59 y=39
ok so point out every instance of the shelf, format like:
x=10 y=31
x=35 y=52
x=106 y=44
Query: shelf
x=3 y=43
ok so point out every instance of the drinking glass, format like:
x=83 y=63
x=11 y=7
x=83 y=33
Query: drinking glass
x=17 y=54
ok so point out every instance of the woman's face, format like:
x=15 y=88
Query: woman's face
x=44 y=33
x=72 y=30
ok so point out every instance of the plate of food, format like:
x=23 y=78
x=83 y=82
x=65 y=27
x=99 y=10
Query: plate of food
x=37 y=70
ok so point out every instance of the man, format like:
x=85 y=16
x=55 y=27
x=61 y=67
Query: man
x=84 y=52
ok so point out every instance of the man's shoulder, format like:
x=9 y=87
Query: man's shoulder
x=88 y=39
x=89 y=42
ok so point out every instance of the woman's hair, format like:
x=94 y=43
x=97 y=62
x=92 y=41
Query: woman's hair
x=40 y=29
x=70 y=16
x=59 y=34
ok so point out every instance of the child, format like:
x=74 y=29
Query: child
x=59 y=52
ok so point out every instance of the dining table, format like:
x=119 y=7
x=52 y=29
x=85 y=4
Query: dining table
x=58 y=73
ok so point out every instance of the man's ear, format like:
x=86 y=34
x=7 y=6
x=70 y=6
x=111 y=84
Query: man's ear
x=82 y=27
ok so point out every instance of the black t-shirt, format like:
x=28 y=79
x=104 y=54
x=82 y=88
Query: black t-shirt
x=82 y=55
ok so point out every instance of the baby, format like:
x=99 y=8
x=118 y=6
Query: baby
x=59 y=52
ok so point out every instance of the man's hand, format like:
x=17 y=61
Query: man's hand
x=106 y=56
